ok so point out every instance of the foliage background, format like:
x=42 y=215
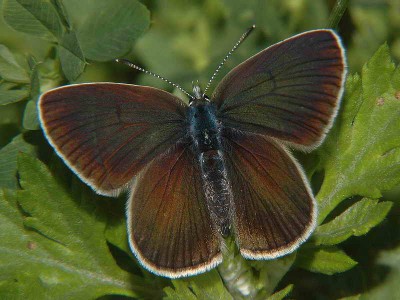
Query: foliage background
x=185 y=41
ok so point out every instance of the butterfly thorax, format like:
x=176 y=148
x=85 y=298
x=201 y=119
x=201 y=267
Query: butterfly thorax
x=205 y=135
x=204 y=128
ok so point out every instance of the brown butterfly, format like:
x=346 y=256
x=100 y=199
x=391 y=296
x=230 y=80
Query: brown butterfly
x=219 y=166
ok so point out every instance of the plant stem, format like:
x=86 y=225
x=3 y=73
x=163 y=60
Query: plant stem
x=337 y=13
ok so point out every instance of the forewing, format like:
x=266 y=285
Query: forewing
x=289 y=91
x=274 y=209
x=169 y=226
x=106 y=132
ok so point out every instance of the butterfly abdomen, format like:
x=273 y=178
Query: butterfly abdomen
x=205 y=135
x=217 y=189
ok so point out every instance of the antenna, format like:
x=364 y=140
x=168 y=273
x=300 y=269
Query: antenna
x=242 y=38
x=132 y=65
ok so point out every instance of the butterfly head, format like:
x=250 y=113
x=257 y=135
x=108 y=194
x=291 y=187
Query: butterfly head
x=198 y=95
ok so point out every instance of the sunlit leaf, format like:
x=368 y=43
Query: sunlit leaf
x=60 y=241
x=202 y=287
x=356 y=220
x=35 y=17
x=362 y=153
x=326 y=260
x=281 y=294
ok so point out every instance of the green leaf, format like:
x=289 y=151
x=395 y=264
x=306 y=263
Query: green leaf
x=8 y=161
x=282 y=293
x=271 y=273
x=362 y=153
x=180 y=291
x=71 y=56
x=62 y=13
x=202 y=287
x=58 y=240
x=35 y=82
x=116 y=235
x=356 y=220
x=11 y=96
x=10 y=70
x=31 y=119
x=337 y=13
x=106 y=29
x=35 y=17
x=325 y=260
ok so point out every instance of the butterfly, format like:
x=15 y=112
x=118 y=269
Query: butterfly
x=219 y=166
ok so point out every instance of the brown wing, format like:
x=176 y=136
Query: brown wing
x=275 y=210
x=169 y=226
x=107 y=132
x=289 y=91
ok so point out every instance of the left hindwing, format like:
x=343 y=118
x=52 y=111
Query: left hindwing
x=274 y=209
x=170 y=228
